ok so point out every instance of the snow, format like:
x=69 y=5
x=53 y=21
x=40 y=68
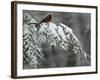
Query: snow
x=52 y=29
x=61 y=33
x=58 y=36
x=66 y=28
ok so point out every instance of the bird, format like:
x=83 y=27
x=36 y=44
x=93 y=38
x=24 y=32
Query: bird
x=46 y=19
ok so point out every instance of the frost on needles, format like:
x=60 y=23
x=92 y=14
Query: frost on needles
x=52 y=46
